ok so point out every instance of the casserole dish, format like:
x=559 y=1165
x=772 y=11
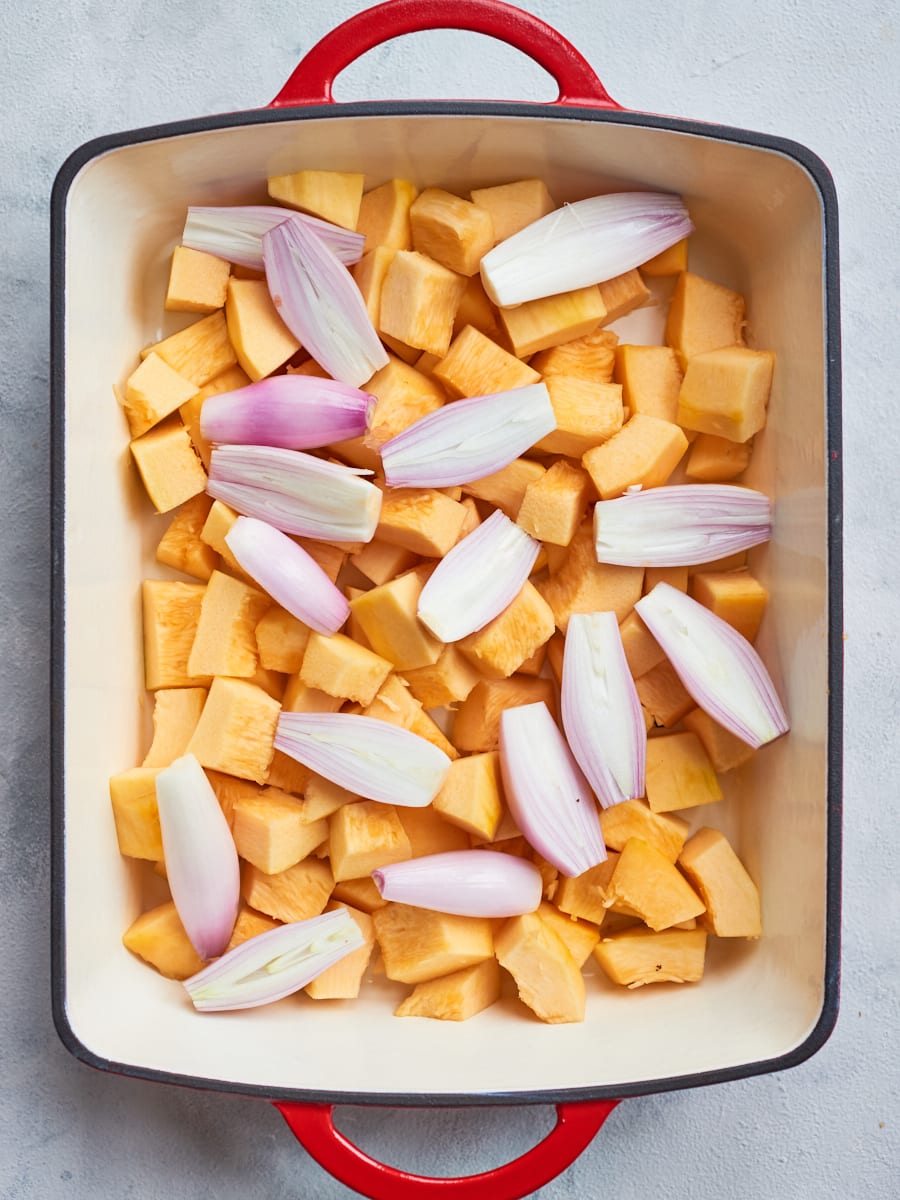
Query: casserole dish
x=766 y=225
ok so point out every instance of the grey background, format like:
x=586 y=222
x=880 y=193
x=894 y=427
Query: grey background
x=825 y=74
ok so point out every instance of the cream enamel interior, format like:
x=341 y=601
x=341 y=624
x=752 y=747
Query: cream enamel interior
x=760 y=229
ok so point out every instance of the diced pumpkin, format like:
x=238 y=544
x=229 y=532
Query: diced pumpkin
x=582 y=585
x=341 y=667
x=716 y=459
x=552 y=320
x=453 y=231
x=476 y=366
x=584 y=896
x=133 y=797
x=471 y=796
x=176 y=712
x=171 y=611
x=447 y=680
x=644 y=452
x=364 y=836
x=225 y=642
x=281 y=640
x=726 y=752
x=181 y=546
x=384 y=215
x=395 y=703
x=200 y=351
x=651 y=885
x=152 y=392
x=676 y=577
x=579 y=937
x=635 y=819
x=476 y=726
x=726 y=392
x=249 y=923
x=723 y=882
x=300 y=698
x=503 y=644
x=197 y=281
x=429 y=833
x=591 y=358
x=270 y=831
x=623 y=294
x=342 y=981
x=229 y=789
x=296 y=894
x=663 y=694
x=332 y=195
x=475 y=309
x=667 y=262
x=287 y=774
x=587 y=414
x=418 y=944
x=361 y=893
x=642 y=650
x=679 y=773
x=380 y=561
x=735 y=596
x=651 y=380
x=403 y=396
x=554 y=505
x=702 y=316
x=423 y=520
x=635 y=957
x=454 y=997
x=261 y=340
x=548 y=979
x=419 y=299
x=505 y=489
x=236 y=730
x=514 y=205
x=168 y=465
x=387 y=615
x=158 y=937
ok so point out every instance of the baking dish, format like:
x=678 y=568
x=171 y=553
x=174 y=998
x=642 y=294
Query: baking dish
x=767 y=225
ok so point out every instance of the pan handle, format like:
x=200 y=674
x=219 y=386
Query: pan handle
x=576 y=1125
x=313 y=78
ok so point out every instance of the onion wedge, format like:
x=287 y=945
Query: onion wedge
x=467 y=883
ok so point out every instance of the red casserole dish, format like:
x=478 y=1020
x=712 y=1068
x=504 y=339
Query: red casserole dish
x=766 y=220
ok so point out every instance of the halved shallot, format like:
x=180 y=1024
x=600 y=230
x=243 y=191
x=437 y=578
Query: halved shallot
x=318 y=300
x=548 y=796
x=274 y=964
x=235 y=233
x=366 y=756
x=288 y=573
x=468 y=439
x=296 y=412
x=681 y=525
x=467 y=883
x=295 y=492
x=718 y=667
x=583 y=243
x=601 y=711
x=476 y=580
x=201 y=860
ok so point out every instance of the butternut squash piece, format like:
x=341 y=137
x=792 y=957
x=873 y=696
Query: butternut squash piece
x=591 y=358
x=471 y=796
x=343 y=980
x=587 y=414
x=553 y=506
x=158 y=937
x=679 y=773
x=579 y=937
x=152 y=392
x=667 y=262
x=181 y=546
x=384 y=215
x=171 y=611
x=200 y=351
x=651 y=380
x=296 y=894
x=552 y=320
x=133 y=797
x=225 y=642
x=645 y=451
x=270 y=831
x=261 y=340
x=454 y=232
x=454 y=997
x=364 y=836
x=652 y=886
x=476 y=726
x=581 y=584
x=418 y=944
x=722 y=880
x=505 y=489
x=702 y=316
x=236 y=730
x=422 y=520
x=387 y=615
x=735 y=596
x=635 y=957
x=429 y=833
x=510 y=639
x=623 y=294
x=332 y=195
x=419 y=299
x=448 y=679
x=715 y=459
x=547 y=977
x=635 y=819
x=249 y=924
x=726 y=392
x=168 y=465
x=176 y=712
x=476 y=366
x=514 y=205
x=197 y=281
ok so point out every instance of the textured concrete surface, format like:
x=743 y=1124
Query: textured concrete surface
x=825 y=75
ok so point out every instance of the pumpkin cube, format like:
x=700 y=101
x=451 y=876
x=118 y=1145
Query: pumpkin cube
x=152 y=392
x=676 y=577
x=418 y=944
x=168 y=465
x=200 y=351
x=667 y=262
x=176 y=712
x=663 y=694
x=501 y=646
x=419 y=299
x=217 y=524
x=343 y=980
x=652 y=886
x=236 y=730
x=553 y=506
x=449 y=679
x=476 y=366
x=642 y=650
x=644 y=452
x=423 y=520
x=635 y=819
x=403 y=395
x=581 y=584
x=249 y=924
x=288 y=774
x=476 y=725
x=364 y=836
x=230 y=380
x=159 y=938
x=332 y=195
x=587 y=414
x=181 y=546
x=261 y=340
x=623 y=294
x=322 y=797
x=225 y=642
x=505 y=489
x=369 y=275
x=281 y=641
x=133 y=797
x=726 y=392
x=384 y=215
x=429 y=833
x=514 y=205
x=229 y=790
x=197 y=281
x=679 y=773
x=591 y=358
x=584 y=896
x=270 y=832
x=341 y=667
x=296 y=894
x=651 y=380
x=735 y=596
x=360 y=893
x=578 y=937
x=716 y=459
x=300 y=698
x=397 y=705
x=702 y=316
x=635 y=957
x=730 y=895
x=471 y=796
x=387 y=615
x=552 y=320
x=475 y=309
x=171 y=612
x=547 y=977
x=452 y=231
x=380 y=562
x=454 y=997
